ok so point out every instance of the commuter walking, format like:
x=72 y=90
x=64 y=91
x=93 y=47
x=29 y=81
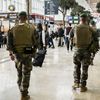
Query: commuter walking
x=82 y=56
x=67 y=37
x=51 y=37
x=45 y=36
x=61 y=36
x=4 y=40
x=42 y=45
x=22 y=46
x=1 y=39
x=39 y=30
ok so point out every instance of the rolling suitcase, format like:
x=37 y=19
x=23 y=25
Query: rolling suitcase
x=39 y=58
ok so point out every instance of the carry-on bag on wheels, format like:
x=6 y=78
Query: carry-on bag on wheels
x=39 y=58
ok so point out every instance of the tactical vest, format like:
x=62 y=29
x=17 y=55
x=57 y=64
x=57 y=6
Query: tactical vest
x=22 y=36
x=83 y=36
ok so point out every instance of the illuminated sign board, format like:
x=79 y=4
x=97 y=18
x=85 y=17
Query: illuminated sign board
x=73 y=19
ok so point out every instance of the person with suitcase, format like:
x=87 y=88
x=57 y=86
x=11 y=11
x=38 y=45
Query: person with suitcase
x=43 y=38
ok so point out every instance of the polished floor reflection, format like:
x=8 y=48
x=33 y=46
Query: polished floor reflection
x=51 y=82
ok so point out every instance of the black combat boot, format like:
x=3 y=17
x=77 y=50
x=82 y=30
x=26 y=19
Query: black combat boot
x=83 y=89
x=76 y=85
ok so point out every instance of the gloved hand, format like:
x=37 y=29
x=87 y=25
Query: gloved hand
x=44 y=47
x=12 y=57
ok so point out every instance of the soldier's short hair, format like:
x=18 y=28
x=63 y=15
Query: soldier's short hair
x=22 y=13
x=83 y=15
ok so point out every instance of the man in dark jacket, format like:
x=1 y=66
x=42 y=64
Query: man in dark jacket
x=61 y=36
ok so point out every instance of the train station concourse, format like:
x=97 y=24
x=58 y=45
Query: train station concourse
x=52 y=81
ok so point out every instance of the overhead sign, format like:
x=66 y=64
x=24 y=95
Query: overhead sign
x=3 y=15
x=73 y=19
x=51 y=7
x=13 y=16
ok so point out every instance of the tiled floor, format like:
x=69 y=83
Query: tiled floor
x=51 y=82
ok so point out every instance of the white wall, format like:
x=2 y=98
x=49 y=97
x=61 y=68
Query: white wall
x=20 y=5
x=38 y=7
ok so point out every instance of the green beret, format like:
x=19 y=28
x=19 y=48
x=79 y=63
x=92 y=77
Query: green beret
x=83 y=15
x=23 y=13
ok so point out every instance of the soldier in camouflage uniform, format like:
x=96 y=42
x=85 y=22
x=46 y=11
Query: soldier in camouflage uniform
x=22 y=46
x=96 y=41
x=81 y=58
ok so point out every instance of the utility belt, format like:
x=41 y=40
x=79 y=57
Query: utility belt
x=24 y=50
x=81 y=46
x=28 y=50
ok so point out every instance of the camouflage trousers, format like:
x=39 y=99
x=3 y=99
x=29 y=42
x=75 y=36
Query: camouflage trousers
x=81 y=60
x=23 y=65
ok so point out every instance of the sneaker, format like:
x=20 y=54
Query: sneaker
x=83 y=89
x=76 y=85
x=25 y=97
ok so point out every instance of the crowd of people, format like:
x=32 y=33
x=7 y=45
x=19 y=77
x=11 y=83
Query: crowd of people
x=24 y=39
